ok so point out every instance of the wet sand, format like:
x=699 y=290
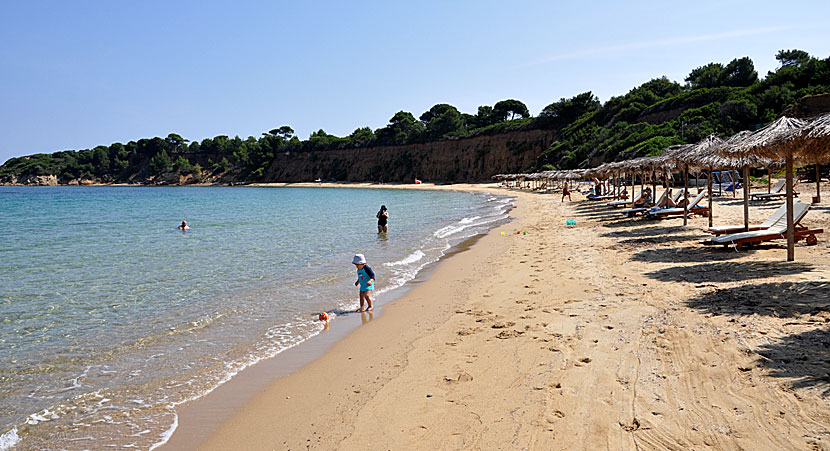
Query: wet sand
x=615 y=333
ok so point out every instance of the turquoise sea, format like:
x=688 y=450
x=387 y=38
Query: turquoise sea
x=110 y=317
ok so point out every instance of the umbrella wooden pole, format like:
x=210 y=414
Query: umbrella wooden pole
x=685 y=195
x=642 y=181
x=654 y=184
x=790 y=225
x=769 y=180
x=697 y=181
x=735 y=183
x=709 y=187
x=632 y=188
x=746 y=198
x=818 y=186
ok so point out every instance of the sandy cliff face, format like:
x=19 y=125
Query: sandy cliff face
x=468 y=159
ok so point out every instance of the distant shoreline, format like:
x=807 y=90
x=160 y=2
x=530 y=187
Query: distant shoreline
x=421 y=186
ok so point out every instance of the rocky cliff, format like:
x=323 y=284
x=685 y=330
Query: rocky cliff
x=467 y=159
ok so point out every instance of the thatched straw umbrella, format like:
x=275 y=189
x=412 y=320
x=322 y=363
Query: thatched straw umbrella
x=812 y=144
x=776 y=140
x=734 y=161
x=659 y=164
x=688 y=157
x=705 y=156
x=620 y=173
x=636 y=165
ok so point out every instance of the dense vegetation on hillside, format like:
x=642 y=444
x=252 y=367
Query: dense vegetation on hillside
x=715 y=98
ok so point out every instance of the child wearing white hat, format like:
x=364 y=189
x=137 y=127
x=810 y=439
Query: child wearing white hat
x=366 y=281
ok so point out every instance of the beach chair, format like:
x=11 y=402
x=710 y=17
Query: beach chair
x=774 y=217
x=694 y=208
x=619 y=203
x=730 y=188
x=634 y=210
x=777 y=231
x=601 y=197
x=677 y=195
x=778 y=191
x=774 y=192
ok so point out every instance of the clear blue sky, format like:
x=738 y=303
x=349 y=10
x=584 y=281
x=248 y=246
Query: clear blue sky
x=74 y=75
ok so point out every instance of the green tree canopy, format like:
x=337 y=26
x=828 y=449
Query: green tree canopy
x=792 y=57
x=160 y=163
x=511 y=108
x=403 y=128
x=285 y=132
x=175 y=142
x=708 y=76
x=567 y=110
x=361 y=137
x=739 y=72
x=485 y=116
x=441 y=119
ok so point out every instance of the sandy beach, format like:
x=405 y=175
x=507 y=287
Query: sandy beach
x=615 y=333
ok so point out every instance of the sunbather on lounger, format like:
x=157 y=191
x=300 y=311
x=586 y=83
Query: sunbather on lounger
x=646 y=199
x=667 y=201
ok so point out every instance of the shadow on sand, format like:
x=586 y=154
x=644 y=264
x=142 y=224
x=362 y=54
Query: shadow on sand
x=688 y=254
x=650 y=231
x=803 y=357
x=727 y=271
x=779 y=299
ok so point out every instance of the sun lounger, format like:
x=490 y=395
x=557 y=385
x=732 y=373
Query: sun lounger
x=778 y=191
x=774 y=217
x=730 y=188
x=694 y=208
x=642 y=208
x=634 y=210
x=775 y=232
x=774 y=192
x=677 y=195
x=602 y=197
x=619 y=203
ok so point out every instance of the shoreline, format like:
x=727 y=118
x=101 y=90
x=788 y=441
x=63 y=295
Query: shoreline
x=198 y=417
x=615 y=333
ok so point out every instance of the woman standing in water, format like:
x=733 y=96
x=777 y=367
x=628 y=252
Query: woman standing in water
x=382 y=216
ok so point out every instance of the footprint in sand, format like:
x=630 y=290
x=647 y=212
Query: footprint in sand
x=465 y=332
x=506 y=334
x=461 y=377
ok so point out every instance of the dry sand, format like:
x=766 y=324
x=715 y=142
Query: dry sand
x=614 y=334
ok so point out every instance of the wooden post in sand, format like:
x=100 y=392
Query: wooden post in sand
x=654 y=184
x=685 y=194
x=769 y=179
x=735 y=182
x=632 y=188
x=746 y=198
x=818 y=186
x=709 y=187
x=790 y=225
x=642 y=181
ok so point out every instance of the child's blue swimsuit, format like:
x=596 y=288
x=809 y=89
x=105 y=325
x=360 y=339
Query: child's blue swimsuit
x=364 y=275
